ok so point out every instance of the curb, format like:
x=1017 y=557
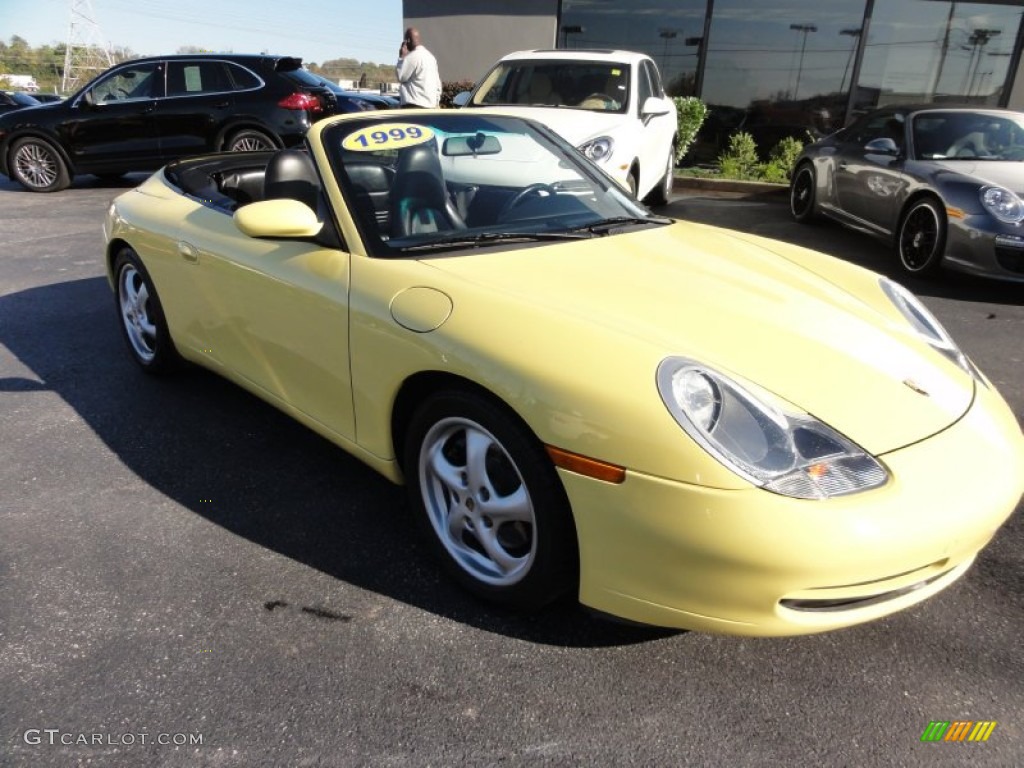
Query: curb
x=730 y=187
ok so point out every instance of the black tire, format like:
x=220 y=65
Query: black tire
x=527 y=560
x=802 y=194
x=249 y=140
x=141 y=315
x=37 y=165
x=921 y=237
x=662 y=193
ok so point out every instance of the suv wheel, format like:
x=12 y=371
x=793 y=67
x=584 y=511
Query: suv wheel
x=38 y=166
x=249 y=140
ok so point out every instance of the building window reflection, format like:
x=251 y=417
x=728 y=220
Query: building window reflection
x=805 y=68
x=668 y=31
x=937 y=50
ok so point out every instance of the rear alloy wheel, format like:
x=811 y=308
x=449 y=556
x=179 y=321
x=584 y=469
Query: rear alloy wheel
x=662 y=193
x=802 y=193
x=142 y=316
x=921 y=240
x=249 y=141
x=38 y=166
x=488 y=499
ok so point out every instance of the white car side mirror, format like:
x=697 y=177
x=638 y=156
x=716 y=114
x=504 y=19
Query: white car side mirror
x=461 y=99
x=653 y=107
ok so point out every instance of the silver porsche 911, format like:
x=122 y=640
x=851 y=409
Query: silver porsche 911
x=944 y=184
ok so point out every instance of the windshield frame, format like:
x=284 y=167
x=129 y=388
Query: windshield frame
x=613 y=194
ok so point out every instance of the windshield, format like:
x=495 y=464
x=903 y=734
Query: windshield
x=968 y=136
x=460 y=179
x=598 y=86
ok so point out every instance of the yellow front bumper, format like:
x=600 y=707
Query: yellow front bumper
x=670 y=554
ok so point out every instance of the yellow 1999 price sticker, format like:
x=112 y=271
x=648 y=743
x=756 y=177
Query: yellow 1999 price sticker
x=387 y=136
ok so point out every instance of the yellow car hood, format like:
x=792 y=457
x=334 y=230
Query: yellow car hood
x=698 y=292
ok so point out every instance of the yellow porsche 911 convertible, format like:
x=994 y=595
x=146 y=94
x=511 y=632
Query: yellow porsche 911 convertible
x=681 y=425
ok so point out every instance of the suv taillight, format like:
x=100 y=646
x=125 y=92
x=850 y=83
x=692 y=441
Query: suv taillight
x=300 y=100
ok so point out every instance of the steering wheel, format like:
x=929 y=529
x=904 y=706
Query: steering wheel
x=521 y=195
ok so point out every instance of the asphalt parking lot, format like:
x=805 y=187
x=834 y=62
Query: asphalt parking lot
x=178 y=559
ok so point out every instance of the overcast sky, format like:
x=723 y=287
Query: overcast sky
x=316 y=30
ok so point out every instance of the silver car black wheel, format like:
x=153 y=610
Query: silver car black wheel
x=477 y=502
x=38 y=166
x=801 y=194
x=488 y=500
x=922 y=237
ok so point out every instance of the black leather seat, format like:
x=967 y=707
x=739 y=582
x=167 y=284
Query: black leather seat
x=419 y=199
x=291 y=176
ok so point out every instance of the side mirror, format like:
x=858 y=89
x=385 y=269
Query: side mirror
x=882 y=147
x=653 y=106
x=461 y=99
x=277 y=218
x=88 y=99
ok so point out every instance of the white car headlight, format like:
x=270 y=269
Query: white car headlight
x=792 y=454
x=599 y=149
x=924 y=322
x=1003 y=204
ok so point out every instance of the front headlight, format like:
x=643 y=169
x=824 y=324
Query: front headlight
x=1003 y=204
x=599 y=149
x=792 y=454
x=924 y=322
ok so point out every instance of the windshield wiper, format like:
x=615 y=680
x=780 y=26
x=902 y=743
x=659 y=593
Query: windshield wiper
x=486 y=238
x=604 y=226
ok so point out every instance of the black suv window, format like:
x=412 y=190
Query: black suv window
x=192 y=78
x=132 y=82
x=244 y=79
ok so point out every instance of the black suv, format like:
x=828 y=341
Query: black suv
x=144 y=113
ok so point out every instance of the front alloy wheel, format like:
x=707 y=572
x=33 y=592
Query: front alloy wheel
x=489 y=501
x=142 y=317
x=922 y=237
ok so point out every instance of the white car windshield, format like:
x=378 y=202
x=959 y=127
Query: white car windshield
x=599 y=86
x=417 y=182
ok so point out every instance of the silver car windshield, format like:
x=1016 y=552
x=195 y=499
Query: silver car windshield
x=965 y=135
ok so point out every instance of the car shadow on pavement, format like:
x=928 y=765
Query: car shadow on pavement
x=229 y=457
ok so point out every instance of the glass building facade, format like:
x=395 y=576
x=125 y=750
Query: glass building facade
x=776 y=67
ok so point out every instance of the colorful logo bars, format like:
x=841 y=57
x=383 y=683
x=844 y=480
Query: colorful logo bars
x=958 y=730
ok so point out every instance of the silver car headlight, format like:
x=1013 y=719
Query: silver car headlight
x=599 y=149
x=789 y=453
x=1003 y=204
x=924 y=322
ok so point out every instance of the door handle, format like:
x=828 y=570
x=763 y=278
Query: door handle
x=188 y=252
x=222 y=105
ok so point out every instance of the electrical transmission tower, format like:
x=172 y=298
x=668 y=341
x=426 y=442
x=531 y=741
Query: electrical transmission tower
x=86 y=55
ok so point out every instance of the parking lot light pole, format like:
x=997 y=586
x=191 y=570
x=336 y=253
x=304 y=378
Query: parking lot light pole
x=803 y=29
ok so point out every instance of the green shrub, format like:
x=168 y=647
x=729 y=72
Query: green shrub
x=740 y=160
x=690 y=115
x=785 y=153
x=452 y=88
x=774 y=171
